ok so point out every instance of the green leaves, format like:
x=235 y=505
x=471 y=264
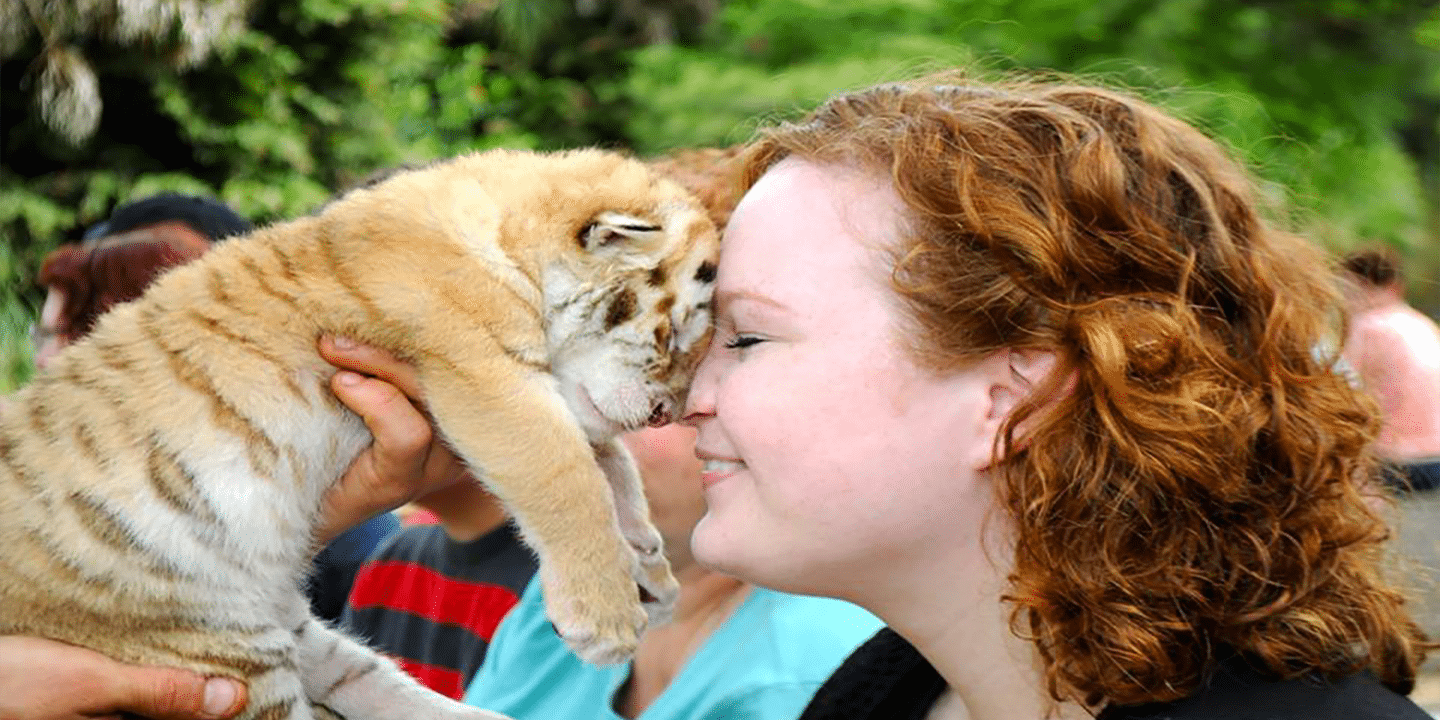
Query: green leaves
x=1312 y=94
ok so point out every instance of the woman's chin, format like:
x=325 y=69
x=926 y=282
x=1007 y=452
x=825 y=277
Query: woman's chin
x=709 y=545
x=716 y=546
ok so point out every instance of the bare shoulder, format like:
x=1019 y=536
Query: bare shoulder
x=1394 y=330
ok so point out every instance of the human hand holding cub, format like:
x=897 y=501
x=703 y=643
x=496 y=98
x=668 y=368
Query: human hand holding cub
x=405 y=461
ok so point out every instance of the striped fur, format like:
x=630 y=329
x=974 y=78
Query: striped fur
x=160 y=481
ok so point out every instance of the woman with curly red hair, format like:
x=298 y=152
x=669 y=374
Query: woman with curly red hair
x=1021 y=369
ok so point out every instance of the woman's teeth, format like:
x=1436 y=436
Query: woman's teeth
x=722 y=466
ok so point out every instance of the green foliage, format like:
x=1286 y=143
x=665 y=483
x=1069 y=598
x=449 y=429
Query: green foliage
x=307 y=101
x=1335 y=102
x=1311 y=94
x=703 y=98
x=15 y=319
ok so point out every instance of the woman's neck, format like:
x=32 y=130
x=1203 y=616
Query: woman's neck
x=991 y=673
x=707 y=599
x=958 y=623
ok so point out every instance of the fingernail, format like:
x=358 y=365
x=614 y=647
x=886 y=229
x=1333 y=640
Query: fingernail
x=220 y=696
x=345 y=343
x=345 y=377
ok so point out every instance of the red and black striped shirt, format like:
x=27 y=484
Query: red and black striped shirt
x=433 y=604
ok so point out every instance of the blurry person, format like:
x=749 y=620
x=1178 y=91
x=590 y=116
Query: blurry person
x=82 y=283
x=432 y=595
x=119 y=257
x=203 y=217
x=1395 y=351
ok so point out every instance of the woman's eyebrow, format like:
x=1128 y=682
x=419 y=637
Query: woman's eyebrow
x=724 y=298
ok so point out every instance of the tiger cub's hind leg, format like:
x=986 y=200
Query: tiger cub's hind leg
x=346 y=679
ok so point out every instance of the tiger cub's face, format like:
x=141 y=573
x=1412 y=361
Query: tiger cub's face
x=626 y=327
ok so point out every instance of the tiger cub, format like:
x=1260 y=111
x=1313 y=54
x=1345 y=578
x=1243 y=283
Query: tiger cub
x=161 y=479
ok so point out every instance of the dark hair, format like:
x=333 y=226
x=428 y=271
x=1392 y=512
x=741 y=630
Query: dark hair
x=1190 y=479
x=117 y=270
x=211 y=218
x=1378 y=266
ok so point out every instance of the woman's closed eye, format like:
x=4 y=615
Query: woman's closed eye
x=740 y=341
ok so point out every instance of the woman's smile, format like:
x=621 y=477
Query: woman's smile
x=715 y=470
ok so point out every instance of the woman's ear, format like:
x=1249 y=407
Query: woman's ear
x=1017 y=376
x=1025 y=372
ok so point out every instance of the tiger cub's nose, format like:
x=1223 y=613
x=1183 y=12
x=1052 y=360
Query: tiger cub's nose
x=659 y=416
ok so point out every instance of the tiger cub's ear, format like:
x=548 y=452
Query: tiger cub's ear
x=610 y=229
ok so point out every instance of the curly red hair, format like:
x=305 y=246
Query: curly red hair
x=1196 y=488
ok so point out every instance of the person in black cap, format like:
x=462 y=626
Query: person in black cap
x=208 y=217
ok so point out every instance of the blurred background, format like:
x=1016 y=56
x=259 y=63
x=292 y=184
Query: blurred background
x=272 y=105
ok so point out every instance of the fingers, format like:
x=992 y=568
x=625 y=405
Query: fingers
x=405 y=461
x=402 y=433
x=366 y=360
x=392 y=469
x=165 y=694
x=47 y=680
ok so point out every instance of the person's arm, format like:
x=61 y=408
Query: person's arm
x=47 y=680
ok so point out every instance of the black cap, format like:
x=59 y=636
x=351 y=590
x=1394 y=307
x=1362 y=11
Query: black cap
x=210 y=218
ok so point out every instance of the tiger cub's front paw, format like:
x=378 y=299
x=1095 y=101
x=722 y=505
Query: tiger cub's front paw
x=599 y=618
x=658 y=587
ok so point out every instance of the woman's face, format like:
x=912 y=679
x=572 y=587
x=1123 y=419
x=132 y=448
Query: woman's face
x=831 y=456
x=46 y=336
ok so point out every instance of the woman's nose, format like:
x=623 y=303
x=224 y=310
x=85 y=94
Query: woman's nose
x=700 y=400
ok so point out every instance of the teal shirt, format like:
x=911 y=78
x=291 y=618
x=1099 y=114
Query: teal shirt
x=763 y=663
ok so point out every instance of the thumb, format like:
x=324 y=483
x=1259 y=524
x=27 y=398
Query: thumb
x=167 y=694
